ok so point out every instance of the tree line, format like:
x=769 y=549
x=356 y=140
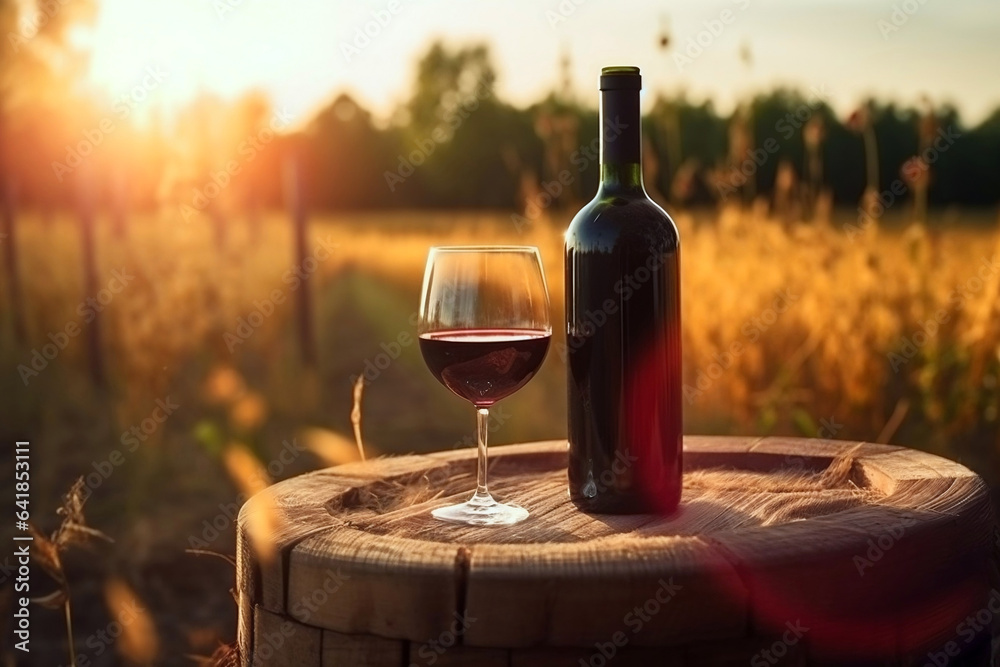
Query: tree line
x=456 y=143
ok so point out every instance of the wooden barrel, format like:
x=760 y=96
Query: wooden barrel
x=785 y=551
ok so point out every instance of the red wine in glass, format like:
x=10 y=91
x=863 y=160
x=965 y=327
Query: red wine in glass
x=484 y=329
x=484 y=365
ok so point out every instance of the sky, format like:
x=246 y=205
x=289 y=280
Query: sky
x=304 y=52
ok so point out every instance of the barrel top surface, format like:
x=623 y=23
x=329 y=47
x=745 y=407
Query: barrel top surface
x=715 y=499
x=765 y=525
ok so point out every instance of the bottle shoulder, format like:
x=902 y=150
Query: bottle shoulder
x=611 y=220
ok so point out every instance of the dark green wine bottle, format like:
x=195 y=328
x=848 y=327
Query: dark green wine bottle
x=623 y=331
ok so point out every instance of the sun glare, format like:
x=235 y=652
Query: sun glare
x=195 y=46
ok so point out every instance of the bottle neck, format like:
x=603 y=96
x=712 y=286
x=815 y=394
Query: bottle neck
x=621 y=176
x=621 y=141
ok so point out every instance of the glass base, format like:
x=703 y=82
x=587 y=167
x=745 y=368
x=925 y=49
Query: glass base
x=481 y=511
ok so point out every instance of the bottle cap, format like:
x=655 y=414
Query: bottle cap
x=620 y=78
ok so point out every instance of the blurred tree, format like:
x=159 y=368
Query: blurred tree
x=446 y=80
x=253 y=113
x=969 y=172
x=452 y=143
x=35 y=68
x=349 y=155
x=703 y=141
x=455 y=133
x=557 y=124
x=470 y=170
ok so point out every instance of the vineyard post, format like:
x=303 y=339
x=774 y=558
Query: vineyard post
x=295 y=199
x=9 y=240
x=86 y=187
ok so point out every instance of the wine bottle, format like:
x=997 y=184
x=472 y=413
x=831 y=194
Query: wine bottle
x=623 y=336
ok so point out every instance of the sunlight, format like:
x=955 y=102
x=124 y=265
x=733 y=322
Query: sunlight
x=215 y=222
x=199 y=46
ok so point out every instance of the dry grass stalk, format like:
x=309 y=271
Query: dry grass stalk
x=72 y=530
x=359 y=387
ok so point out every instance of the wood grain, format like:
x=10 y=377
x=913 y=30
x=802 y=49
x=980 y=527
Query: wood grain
x=340 y=650
x=280 y=642
x=879 y=551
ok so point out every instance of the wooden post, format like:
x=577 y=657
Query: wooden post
x=218 y=226
x=294 y=198
x=9 y=241
x=251 y=202
x=85 y=208
x=119 y=202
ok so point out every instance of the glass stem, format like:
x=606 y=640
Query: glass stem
x=482 y=423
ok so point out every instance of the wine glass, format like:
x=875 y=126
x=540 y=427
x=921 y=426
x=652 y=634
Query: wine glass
x=484 y=330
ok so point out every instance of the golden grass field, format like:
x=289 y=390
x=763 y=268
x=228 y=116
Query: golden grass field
x=822 y=351
x=786 y=329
